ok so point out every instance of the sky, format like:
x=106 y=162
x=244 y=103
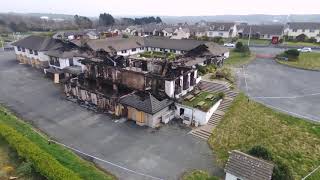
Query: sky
x=162 y=7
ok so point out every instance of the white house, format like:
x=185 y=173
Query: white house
x=241 y=166
x=168 y=32
x=31 y=50
x=181 y=33
x=222 y=29
x=310 y=29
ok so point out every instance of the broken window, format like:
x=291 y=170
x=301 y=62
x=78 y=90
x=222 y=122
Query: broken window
x=30 y=51
x=134 y=49
x=19 y=48
x=35 y=52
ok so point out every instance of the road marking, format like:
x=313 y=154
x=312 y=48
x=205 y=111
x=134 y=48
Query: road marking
x=286 y=97
x=97 y=158
x=308 y=117
x=245 y=80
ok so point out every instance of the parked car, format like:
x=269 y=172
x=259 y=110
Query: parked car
x=232 y=45
x=305 y=49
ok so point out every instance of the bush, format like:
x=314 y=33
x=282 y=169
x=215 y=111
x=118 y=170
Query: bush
x=43 y=162
x=221 y=95
x=260 y=152
x=281 y=172
x=292 y=54
x=224 y=73
x=302 y=38
x=242 y=48
x=125 y=36
x=218 y=40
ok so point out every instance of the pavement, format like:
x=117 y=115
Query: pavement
x=138 y=153
x=293 y=91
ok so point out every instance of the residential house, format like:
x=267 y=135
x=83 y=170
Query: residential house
x=168 y=32
x=32 y=50
x=310 y=29
x=222 y=29
x=241 y=166
x=181 y=33
x=262 y=31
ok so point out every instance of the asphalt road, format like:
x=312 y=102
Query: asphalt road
x=164 y=153
x=287 y=89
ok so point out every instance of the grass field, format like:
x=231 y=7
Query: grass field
x=237 y=59
x=306 y=61
x=65 y=157
x=198 y=175
x=293 y=141
x=255 y=41
x=304 y=44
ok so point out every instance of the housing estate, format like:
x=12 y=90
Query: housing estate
x=309 y=29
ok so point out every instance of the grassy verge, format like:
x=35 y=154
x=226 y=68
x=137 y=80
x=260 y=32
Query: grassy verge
x=11 y=165
x=66 y=158
x=238 y=59
x=306 y=44
x=314 y=176
x=198 y=175
x=293 y=141
x=255 y=41
x=309 y=61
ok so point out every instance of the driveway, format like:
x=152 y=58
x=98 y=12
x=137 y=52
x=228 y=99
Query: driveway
x=290 y=90
x=164 y=153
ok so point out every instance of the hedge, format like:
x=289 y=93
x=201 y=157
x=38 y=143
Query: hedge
x=43 y=162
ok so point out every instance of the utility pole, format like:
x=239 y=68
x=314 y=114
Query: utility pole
x=249 y=37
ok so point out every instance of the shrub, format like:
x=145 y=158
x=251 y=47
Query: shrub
x=260 y=152
x=281 y=172
x=218 y=40
x=43 y=162
x=302 y=37
x=125 y=36
x=221 y=95
x=224 y=73
x=242 y=48
x=292 y=54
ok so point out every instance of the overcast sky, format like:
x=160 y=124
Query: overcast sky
x=162 y=7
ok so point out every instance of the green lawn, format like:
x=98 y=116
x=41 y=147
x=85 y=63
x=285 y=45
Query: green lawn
x=304 y=44
x=255 y=41
x=306 y=61
x=64 y=156
x=293 y=141
x=198 y=175
x=155 y=54
x=238 y=59
x=202 y=97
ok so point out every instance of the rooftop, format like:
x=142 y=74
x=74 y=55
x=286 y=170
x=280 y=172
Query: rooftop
x=248 y=167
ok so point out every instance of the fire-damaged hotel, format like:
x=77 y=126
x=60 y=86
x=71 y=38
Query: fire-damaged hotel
x=147 y=80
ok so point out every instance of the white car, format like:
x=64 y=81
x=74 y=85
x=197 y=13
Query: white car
x=232 y=45
x=305 y=49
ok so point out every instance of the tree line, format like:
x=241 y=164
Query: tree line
x=23 y=23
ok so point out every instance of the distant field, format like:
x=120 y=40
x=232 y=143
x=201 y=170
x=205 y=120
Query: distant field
x=293 y=141
x=306 y=61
